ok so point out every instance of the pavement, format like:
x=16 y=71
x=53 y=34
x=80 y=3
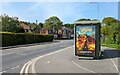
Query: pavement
x=64 y=61
x=26 y=45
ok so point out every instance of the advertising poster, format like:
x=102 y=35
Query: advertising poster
x=85 y=40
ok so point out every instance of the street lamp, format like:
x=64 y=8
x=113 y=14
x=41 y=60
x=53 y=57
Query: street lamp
x=97 y=7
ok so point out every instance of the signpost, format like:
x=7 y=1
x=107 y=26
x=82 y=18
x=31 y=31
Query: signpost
x=87 y=39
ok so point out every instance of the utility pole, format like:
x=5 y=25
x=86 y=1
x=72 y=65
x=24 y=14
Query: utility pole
x=97 y=7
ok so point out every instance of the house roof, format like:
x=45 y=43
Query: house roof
x=24 y=26
x=67 y=28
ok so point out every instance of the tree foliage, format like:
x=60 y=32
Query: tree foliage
x=108 y=21
x=10 y=24
x=40 y=25
x=84 y=19
x=33 y=26
x=53 y=23
x=110 y=29
x=69 y=25
x=95 y=20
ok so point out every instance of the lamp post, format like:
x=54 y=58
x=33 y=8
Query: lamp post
x=97 y=7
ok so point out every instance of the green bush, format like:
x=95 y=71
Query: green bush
x=9 y=39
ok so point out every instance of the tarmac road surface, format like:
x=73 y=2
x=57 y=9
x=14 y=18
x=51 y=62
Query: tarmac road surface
x=13 y=59
x=64 y=61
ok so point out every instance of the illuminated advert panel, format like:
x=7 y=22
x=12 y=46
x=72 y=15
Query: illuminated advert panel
x=85 y=40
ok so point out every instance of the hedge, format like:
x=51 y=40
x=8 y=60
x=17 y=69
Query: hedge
x=9 y=39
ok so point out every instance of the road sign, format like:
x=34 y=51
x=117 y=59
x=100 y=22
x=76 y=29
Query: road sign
x=87 y=38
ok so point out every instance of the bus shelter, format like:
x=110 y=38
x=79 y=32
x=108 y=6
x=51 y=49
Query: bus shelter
x=87 y=39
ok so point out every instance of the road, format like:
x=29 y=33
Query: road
x=68 y=63
x=13 y=59
x=64 y=61
x=56 y=57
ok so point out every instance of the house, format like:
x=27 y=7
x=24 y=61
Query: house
x=65 y=32
x=37 y=29
x=25 y=27
x=45 y=31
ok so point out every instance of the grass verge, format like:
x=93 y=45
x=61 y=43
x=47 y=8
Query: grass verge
x=111 y=45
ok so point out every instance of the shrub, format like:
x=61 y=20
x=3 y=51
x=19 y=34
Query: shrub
x=9 y=39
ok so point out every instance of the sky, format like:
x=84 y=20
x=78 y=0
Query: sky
x=67 y=12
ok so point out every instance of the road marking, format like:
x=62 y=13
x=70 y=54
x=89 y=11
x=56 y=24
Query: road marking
x=9 y=69
x=115 y=65
x=33 y=65
x=8 y=53
x=24 y=50
x=27 y=48
x=15 y=67
x=14 y=52
x=33 y=61
x=48 y=62
x=23 y=68
x=2 y=72
x=82 y=67
x=21 y=54
x=27 y=68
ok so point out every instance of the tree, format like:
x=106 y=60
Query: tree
x=69 y=25
x=108 y=21
x=114 y=28
x=33 y=26
x=95 y=20
x=10 y=24
x=110 y=29
x=40 y=25
x=83 y=19
x=53 y=23
x=105 y=32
